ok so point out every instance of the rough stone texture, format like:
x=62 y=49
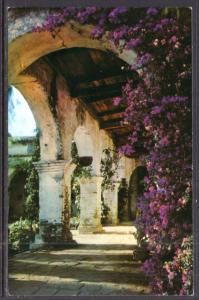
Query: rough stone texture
x=90 y=205
x=22 y=24
x=101 y=264
x=51 y=176
x=111 y=201
x=51 y=195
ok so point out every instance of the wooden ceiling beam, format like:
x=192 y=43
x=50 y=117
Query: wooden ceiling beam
x=104 y=76
x=111 y=112
x=105 y=97
x=102 y=90
x=116 y=123
x=56 y=68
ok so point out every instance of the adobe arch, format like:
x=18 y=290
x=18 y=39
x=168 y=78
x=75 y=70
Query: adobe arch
x=37 y=99
x=29 y=47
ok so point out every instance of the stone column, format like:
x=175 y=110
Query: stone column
x=90 y=205
x=52 y=229
x=111 y=201
x=68 y=171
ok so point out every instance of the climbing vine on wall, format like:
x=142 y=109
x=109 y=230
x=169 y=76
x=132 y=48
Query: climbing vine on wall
x=158 y=111
x=32 y=187
x=79 y=172
x=108 y=167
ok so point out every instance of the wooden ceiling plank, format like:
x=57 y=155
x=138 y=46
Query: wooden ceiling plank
x=104 y=75
x=105 y=97
x=111 y=112
x=103 y=90
x=116 y=123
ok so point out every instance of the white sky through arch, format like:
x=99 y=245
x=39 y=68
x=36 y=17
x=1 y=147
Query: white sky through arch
x=20 y=118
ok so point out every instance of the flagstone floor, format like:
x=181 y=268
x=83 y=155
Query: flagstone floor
x=100 y=264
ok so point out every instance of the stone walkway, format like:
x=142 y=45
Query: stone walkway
x=101 y=264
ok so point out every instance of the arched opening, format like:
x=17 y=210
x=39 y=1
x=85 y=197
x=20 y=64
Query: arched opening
x=22 y=131
x=21 y=121
x=123 y=214
x=16 y=195
x=136 y=189
x=23 y=150
x=82 y=156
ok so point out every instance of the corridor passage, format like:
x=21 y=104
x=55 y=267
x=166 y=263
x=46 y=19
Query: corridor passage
x=100 y=264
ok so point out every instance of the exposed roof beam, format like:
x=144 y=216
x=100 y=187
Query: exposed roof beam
x=55 y=67
x=116 y=123
x=105 y=97
x=103 y=90
x=100 y=76
x=111 y=112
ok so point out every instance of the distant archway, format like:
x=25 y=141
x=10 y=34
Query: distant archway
x=136 y=188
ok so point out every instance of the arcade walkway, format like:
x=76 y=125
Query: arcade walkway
x=101 y=264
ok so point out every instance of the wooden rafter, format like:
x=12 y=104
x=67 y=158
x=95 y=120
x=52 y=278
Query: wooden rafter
x=102 y=90
x=106 y=75
x=111 y=112
x=116 y=123
x=104 y=97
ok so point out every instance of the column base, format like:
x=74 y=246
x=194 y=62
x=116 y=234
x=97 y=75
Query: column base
x=52 y=235
x=39 y=243
x=90 y=229
x=112 y=223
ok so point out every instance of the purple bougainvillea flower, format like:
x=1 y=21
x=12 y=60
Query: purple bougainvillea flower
x=164 y=21
x=164 y=141
x=97 y=32
x=174 y=39
x=117 y=101
x=133 y=43
x=116 y=12
x=157 y=27
x=152 y=11
x=144 y=59
x=159 y=131
x=156 y=110
x=126 y=149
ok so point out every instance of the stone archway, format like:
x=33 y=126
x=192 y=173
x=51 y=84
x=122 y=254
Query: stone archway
x=37 y=100
x=51 y=165
x=39 y=44
x=136 y=188
x=33 y=73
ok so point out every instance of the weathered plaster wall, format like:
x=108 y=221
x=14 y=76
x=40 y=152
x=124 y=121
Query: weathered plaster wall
x=72 y=114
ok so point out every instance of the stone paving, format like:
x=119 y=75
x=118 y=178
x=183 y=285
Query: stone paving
x=100 y=264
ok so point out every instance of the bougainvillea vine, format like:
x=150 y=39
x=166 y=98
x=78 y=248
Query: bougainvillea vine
x=158 y=110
